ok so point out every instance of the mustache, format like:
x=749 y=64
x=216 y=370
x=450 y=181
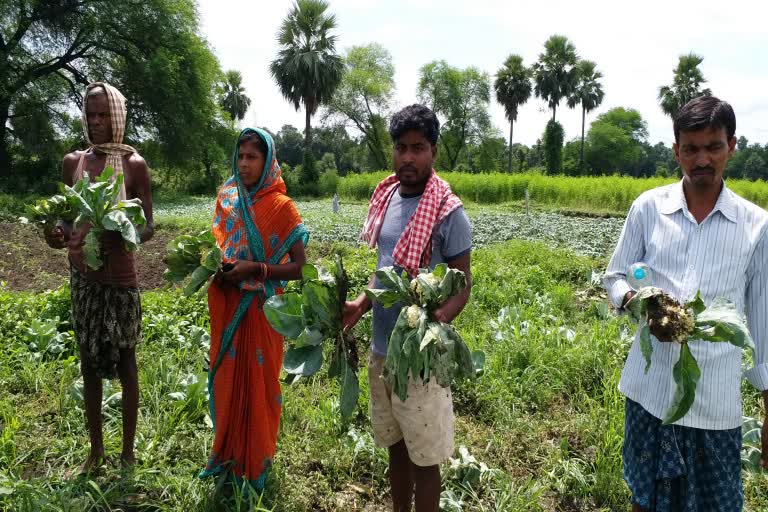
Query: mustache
x=407 y=168
x=703 y=169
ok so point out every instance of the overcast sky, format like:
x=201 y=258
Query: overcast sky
x=635 y=44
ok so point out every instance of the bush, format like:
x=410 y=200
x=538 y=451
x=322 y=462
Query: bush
x=190 y=181
x=553 y=147
x=12 y=206
x=327 y=163
x=309 y=175
x=291 y=179
x=329 y=182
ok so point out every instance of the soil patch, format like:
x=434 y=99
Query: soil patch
x=28 y=264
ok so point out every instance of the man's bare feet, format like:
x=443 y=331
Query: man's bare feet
x=94 y=461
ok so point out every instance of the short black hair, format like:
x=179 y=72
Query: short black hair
x=254 y=137
x=705 y=112
x=415 y=117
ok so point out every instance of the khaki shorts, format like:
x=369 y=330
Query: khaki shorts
x=424 y=420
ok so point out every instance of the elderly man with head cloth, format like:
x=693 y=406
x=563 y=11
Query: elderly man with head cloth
x=106 y=306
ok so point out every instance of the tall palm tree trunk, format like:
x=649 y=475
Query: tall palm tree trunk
x=5 y=154
x=307 y=133
x=583 y=117
x=511 y=125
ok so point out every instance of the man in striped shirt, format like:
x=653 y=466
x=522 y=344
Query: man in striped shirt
x=694 y=235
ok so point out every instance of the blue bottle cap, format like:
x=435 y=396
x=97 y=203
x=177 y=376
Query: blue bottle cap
x=639 y=274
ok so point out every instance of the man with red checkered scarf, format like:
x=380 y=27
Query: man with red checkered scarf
x=415 y=221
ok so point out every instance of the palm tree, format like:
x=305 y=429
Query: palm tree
x=588 y=93
x=513 y=88
x=685 y=85
x=233 y=99
x=554 y=74
x=307 y=68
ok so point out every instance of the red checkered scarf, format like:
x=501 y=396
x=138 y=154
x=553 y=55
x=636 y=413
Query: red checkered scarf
x=414 y=248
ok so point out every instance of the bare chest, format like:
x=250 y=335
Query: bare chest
x=94 y=165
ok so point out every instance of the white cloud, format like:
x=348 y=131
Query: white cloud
x=635 y=45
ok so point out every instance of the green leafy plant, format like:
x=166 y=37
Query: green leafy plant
x=197 y=256
x=464 y=479
x=98 y=204
x=683 y=323
x=309 y=318
x=44 y=340
x=418 y=345
x=751 y=449
x=47 y=212
x=192 y=397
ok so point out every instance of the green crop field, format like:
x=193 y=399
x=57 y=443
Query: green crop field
x=605 y=193
x=541 y=429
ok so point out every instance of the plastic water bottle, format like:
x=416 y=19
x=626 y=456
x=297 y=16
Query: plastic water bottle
x=639 y=275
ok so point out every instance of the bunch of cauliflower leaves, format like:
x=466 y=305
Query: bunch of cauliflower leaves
x=419 y=346
x=311 y=317
x=46 y=213
x=197 y=256
x=693 y=321
x=98 y=204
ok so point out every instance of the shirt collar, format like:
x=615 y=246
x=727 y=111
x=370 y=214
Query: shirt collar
x=675 y=201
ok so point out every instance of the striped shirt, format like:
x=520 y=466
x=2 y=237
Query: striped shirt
x=724 y=256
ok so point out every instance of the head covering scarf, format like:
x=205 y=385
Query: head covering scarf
x=245 y=225
x=115 y=149
x=260 y=224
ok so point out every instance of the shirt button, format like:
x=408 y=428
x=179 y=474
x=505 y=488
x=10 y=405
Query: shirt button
x=691 y=267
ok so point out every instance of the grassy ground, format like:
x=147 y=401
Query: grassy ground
x=542 y=427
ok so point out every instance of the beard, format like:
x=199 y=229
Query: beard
x=411 y=176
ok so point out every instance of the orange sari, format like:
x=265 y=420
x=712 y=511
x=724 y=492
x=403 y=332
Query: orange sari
x=246 y=356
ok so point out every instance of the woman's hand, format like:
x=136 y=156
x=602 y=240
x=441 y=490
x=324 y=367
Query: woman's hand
x=242 y=270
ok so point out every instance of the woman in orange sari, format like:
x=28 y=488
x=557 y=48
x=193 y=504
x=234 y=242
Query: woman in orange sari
x=262 y=237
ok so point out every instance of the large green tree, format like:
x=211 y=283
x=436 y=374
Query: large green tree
x=588 y=93
x=513 y=88
x=755 y=167
x=628 y=119
x=307 y=68
x=289 y=145
x=150 y=50
x=686 y=85
x=461 y=97
x=615 y=140
x=364 y=98
x=335 y=139
x=233 y=99
x=554 y=74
